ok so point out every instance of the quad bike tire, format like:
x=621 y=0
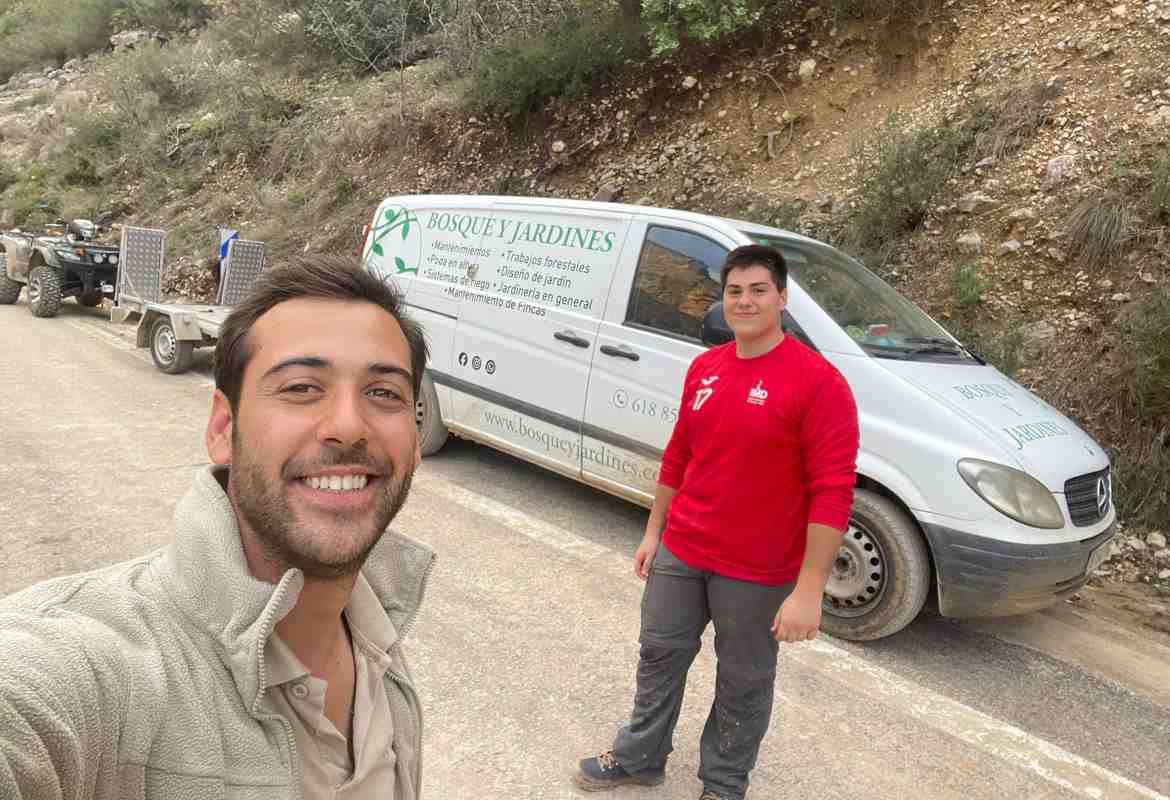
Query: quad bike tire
x=44 y=292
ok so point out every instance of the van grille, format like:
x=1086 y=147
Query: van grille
x=1089 y=497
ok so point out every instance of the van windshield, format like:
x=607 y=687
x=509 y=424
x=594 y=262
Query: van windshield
x=869 y=310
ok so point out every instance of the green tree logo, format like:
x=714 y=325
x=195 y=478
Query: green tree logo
x=401 y=220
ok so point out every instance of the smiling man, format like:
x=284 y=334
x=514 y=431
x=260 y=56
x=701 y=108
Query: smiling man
x=752 y=500
x=259 y=654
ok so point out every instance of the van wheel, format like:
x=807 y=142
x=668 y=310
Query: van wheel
x=881 y=577
x=171 y=354
x=432 y=433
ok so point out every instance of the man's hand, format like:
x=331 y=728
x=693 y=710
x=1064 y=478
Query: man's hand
x=644 y=555
x=799 y=618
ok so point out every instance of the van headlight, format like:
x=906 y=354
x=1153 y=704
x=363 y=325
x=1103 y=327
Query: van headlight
x=1012 y=492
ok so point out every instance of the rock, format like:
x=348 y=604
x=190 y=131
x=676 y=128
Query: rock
x=975 y=203
x=128 y=40
x=1059 y=170
x=823 y=202
x=558 y=146
x=1121 y=297
x=1022 y=214
x=970 y=243
x=813 y=13
x=1162 y=556
x=1037 y=333
x=1009 y=247
x=1118 y=11
x=1160 y=118
x=689 y=82
x=1134 y=543
x=987 y=162
x=1156 y=540
x=608 y=193
x=1164 y=575
x=808 y=68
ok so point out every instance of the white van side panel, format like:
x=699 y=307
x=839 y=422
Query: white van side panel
x=527 y=328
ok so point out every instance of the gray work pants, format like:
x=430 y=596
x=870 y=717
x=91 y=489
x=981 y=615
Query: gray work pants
x=677 y=604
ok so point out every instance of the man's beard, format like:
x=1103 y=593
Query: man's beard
x=264 y=506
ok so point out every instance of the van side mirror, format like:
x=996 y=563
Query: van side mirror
x=715 y=329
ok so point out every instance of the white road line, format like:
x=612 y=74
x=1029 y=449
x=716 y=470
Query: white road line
x=1001 y=739
x=995 y=737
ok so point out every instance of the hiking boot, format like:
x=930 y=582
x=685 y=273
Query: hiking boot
x=710 y=795
x=604 y=772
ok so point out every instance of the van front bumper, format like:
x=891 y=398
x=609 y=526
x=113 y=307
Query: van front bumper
x=982 y=577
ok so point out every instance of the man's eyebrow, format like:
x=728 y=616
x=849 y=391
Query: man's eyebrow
x=312 y=362
x=316 y=362
x=391 y=369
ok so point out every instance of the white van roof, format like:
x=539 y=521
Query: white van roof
x=594 y=205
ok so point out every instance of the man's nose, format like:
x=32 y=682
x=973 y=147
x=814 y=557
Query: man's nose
x=342 y=421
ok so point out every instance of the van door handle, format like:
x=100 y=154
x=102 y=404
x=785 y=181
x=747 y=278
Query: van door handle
x=571 y=338
x=619 y=352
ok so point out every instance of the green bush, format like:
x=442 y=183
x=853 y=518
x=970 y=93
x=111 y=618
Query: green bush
x=1160 y=184
x=519 y=72
x=898 y=173
x=669 y=22
x=966 y=285
x=1147 y=328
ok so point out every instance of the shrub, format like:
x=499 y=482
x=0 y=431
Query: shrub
x=1098 y=229
x=966 y=285
x=1147 y=328
x=1003 y=123
x=897 y=174
x=669 y=22
x=1160 y=184
x=519 y=72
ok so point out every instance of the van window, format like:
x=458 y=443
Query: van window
x=872 y=312
x=677 y=281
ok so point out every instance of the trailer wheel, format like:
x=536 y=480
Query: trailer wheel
x=170 y=354
x=432 y=433
x=881 y=577
x=9 y=289
x=44 y=292
x=89 y=299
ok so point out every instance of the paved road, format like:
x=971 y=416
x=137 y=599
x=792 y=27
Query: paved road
x=526 y=648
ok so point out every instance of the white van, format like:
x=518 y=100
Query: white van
x=561 y=330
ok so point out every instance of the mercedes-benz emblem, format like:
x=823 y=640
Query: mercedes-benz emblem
x=1102 y=495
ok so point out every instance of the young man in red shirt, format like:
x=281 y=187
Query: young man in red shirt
x=752 y=501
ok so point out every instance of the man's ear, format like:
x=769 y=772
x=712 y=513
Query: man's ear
x=218 y=436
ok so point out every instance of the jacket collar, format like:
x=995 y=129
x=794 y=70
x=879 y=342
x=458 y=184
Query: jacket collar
x=205 y=573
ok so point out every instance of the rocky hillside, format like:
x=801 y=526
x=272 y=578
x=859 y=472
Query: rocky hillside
x=999 y=162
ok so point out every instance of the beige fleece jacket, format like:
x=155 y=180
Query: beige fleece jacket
x=145 y=679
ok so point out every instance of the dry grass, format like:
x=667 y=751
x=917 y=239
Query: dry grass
x=1013 y=117
x=1099 y=229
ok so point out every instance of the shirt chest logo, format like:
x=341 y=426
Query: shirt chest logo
x=758 y=395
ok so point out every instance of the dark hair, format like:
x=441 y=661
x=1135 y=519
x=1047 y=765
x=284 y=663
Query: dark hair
x=756 y=255
x=326 y=277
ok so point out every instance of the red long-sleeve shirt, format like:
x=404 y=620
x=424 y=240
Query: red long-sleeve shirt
x=763 y=447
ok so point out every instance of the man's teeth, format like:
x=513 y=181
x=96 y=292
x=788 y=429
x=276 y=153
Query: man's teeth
x=337 y=483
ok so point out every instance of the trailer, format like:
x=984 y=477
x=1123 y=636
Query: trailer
x=173 y=331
